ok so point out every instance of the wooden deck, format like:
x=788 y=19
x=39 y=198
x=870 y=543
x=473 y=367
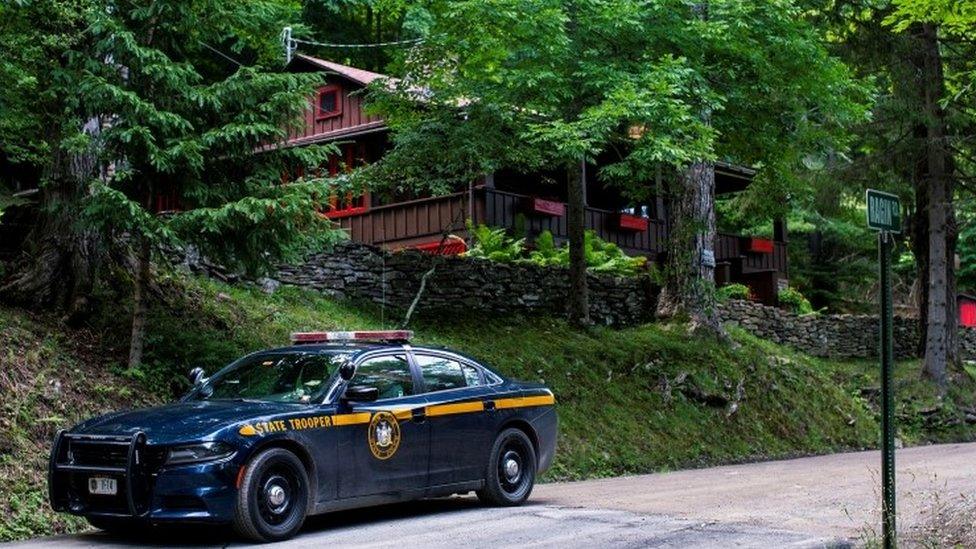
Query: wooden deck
x=407 y=224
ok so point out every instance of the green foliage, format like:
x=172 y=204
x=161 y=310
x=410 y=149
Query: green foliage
x=733 y=291
x=954 y=17
x=601 y=256
x=967 y=255
x=607 y=258
x=200 y=94
x=494 y=244
x=793 y=300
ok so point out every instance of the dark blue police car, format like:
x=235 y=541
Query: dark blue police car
x=335 y=421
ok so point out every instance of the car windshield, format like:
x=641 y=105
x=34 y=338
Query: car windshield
x=275 y=377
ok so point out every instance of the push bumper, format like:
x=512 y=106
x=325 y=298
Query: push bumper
x=147 y=490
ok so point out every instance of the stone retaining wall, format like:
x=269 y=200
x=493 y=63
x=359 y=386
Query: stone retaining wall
x=836 y=336
x=461 y=285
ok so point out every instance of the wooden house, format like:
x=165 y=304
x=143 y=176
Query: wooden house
x=525 y=202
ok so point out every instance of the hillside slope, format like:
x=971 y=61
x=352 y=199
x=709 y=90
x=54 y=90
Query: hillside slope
x=634 y=400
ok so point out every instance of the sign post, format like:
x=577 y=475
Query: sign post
x=884 y=216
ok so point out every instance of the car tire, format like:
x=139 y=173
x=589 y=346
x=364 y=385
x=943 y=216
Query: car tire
x=118 y=526
x=511 y=470
x=273 y=497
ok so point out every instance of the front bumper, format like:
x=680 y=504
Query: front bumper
x=204 y=492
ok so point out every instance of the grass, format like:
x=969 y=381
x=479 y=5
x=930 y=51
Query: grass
x=637 y=400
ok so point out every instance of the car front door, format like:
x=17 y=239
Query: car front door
x=461 y=416
x=384 y=444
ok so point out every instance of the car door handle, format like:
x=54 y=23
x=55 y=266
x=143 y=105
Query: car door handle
x=419 y=415
x=489 y=405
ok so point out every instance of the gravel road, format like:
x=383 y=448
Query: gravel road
x=807 y=502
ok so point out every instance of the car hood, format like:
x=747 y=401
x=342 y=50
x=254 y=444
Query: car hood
x=180 y=422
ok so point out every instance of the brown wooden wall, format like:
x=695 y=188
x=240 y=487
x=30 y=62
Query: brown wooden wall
x=352 y=115
x=419 y=221
x=410 y=223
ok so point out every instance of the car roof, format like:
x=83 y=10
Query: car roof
x=358 y=348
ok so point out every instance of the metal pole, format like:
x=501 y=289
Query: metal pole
x=887 y=395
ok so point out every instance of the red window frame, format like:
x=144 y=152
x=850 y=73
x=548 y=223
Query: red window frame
x=333 y=89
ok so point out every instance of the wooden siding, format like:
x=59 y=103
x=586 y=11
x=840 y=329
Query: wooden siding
x=352 y=116
x=410 y=223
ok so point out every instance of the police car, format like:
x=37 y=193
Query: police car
x=336 y=420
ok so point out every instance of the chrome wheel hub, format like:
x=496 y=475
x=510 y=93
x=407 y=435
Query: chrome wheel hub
x=511 y=466
x=276 y=496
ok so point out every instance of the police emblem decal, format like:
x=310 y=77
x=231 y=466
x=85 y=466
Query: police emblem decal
x=383 y=435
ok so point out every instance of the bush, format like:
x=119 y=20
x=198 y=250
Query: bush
x=794 y=301
x=733 y=291
x=601 y=256
x=494 y=244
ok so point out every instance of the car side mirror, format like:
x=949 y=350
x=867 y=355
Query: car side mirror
x=196 y=376
x=361 y=394
x=347 y=370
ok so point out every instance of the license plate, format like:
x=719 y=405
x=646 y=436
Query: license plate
x=103 y=486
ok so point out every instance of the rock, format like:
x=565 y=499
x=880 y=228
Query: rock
x=268 y=285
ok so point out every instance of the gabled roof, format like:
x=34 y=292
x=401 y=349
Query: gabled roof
x=360 y=76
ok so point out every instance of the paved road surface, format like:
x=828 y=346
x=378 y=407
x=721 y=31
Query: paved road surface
x=808 y=502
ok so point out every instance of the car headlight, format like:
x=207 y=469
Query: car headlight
x=193 y=453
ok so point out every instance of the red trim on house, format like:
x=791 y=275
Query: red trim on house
x=546 y=207
x=628 y=222
x=345 y=212
x=451 y=246
x=336 y=91
x=759 y=245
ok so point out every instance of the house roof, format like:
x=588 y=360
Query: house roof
x=360 y=76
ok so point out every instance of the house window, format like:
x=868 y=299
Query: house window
x=328 y=103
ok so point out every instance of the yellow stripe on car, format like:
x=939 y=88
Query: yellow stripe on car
x=351 y=419
x=460 y=408
x=362 y=418
x=525 y=402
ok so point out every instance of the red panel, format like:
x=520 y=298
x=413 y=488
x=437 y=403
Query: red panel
x=627 y=222
x=967 y=313
x=346 y=212
x=759 y=245
x=547 y=207
x=451 y=246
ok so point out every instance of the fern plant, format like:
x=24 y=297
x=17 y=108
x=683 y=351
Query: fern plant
x=494 y=244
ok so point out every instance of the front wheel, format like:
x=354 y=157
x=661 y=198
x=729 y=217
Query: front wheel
x=273 y=497
x=511 y=470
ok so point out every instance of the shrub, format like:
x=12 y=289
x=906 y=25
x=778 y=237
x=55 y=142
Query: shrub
x=794 y=301
x=601 y=256
x=733 y=291
x=494 y=244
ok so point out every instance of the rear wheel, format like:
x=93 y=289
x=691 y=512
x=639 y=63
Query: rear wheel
x=511 y=470
x=273 y=497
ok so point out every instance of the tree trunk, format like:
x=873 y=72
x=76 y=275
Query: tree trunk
x=57 y=270
x=689 y=287
x=140 y=301
x=579 y=306
x=941 y=302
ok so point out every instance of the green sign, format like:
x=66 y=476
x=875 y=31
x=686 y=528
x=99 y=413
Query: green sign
x=884 y=211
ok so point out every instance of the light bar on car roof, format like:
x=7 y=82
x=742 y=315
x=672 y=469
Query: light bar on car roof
x=361 y=335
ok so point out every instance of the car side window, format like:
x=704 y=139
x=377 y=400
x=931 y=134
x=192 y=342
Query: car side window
x=441 y=373
x=389 y=374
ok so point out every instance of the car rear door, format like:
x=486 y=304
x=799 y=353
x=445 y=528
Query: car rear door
x=461 y=416
x=384 y=444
